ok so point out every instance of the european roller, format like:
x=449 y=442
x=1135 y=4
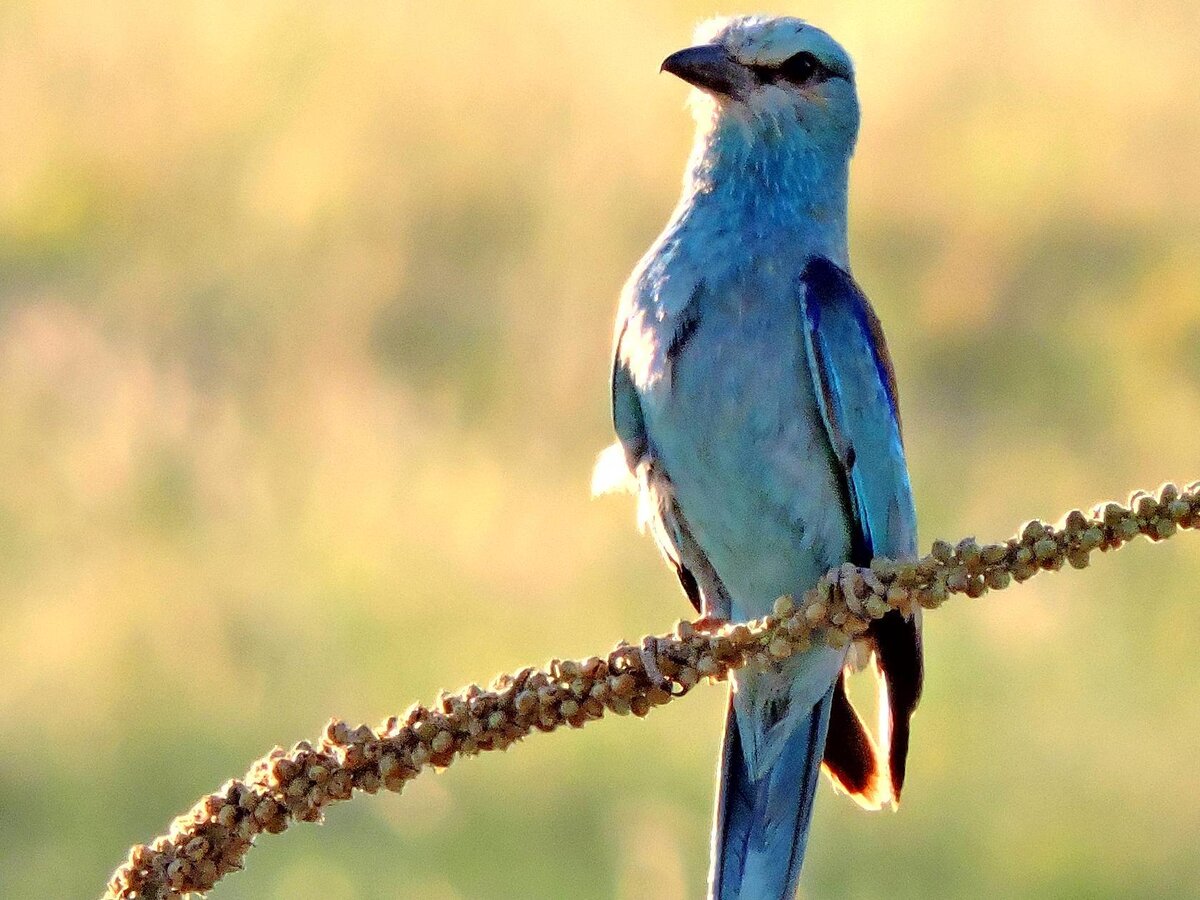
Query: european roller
x=756 y=415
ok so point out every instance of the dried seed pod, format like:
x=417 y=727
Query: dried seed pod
x=1024 y=571
x=227 y=816
x=205 y=874
x=1113 y=513
x=1075 y=521
x=884 y=569
x=928 y=600
x=1045 y=549
x=928 y=568
x=1034 y=530
x=318 y=773
x=740 y=636
x=622 y=685
x=876 y=607
x=994 y=553
x=721 y=647
x=998 y=579
x=855 y=626
x=658 y=696
x=389 y=763
x=1091 y=538
x=1146 y=506
x=796 y=627
x=1054 y=563
x=619 y=705
x=836 y=639
x=593 y=708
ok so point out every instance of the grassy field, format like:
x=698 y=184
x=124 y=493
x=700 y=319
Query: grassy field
x=304 y=330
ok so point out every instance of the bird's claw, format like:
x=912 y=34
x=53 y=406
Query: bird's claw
x=649 y=655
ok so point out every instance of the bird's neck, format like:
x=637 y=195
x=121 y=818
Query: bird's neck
x=771 y=184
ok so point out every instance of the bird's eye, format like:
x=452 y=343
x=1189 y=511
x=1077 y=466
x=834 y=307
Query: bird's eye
x=800 y=68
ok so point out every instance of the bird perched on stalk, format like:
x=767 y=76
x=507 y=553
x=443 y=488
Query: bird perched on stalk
x=756 y=415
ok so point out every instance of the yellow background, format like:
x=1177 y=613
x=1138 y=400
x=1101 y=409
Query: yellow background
x=305 y=313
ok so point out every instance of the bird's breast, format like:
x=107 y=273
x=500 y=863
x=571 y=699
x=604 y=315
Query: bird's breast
x=734 y=420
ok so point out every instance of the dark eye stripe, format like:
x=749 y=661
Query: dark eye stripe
x=802 y=68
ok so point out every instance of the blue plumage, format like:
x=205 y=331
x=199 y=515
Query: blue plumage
x=756 y=414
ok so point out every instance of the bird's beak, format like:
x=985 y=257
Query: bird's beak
x=708 y=67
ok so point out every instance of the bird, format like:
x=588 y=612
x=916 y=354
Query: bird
x=757 y=421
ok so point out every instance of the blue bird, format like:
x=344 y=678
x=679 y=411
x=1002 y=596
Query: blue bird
x=755 y=409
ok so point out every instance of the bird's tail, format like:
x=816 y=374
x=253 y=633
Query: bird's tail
x=762 y=823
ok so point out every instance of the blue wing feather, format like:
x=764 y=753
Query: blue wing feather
x=856 y=393
x=857 y=398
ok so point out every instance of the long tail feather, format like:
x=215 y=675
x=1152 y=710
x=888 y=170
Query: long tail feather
x=762 y=824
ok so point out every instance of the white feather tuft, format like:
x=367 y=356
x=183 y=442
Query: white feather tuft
x=611 y=474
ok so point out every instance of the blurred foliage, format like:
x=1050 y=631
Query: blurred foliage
x=304 y=334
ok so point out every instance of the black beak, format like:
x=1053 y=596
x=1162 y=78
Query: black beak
x=707 y=67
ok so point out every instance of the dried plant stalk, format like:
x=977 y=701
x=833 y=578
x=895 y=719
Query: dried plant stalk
x=212 y=839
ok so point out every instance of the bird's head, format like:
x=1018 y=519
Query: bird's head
x=770 y=76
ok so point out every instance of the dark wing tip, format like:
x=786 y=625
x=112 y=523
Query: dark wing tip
x=898 y=654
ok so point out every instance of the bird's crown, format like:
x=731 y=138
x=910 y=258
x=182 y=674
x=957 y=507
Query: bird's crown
x=770 y=41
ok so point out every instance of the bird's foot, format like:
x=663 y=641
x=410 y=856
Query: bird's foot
x=649 y=655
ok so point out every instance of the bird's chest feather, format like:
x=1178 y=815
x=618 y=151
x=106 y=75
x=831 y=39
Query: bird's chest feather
x=733 y=418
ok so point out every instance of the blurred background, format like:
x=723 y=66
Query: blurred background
x=305 y=313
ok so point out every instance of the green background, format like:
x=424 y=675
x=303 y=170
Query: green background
x=304 y=329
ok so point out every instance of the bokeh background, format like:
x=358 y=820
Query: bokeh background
x=305 y=313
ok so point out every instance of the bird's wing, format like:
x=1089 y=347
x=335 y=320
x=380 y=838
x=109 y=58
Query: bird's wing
x=631 y=460
x=628 y=421
x=856 y=393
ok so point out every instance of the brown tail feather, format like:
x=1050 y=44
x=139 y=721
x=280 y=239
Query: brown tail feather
x=851 y=758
